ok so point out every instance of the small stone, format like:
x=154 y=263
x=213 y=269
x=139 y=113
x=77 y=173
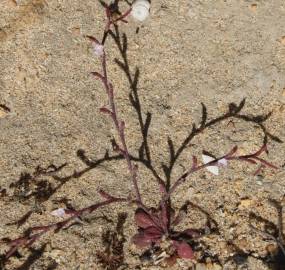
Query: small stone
x=75 y=31
x=60 y=212
x=253 y=7
x=245 y=203
x=3 y=111
x=259 y=182
x=3 y=34
x=201 y=266
x=208 y=266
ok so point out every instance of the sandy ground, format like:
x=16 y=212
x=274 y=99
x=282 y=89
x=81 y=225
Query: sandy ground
x=188 y=52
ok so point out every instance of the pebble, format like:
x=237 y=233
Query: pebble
x=202 y=266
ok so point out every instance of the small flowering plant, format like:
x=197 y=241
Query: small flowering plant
x=158 y=225
x=155 y=225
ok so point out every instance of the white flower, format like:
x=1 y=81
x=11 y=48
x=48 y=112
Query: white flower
x=140 y=9
x=60 y=212
x=213 y=169
x=98 y=49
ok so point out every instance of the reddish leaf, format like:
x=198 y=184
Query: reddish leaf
x=147 y=237
x=183 y=250
x=98 y=75
x=142 y=219
x=140 y=241
x=180 y=216
x=106 y=111
x=266 y=163
x=93 y=39
x=232 y=152
x=164 y=216
x=162 y=188
x=261 y=150
x=153 y=233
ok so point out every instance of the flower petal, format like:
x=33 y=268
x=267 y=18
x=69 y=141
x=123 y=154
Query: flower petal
x=60 y=212
x=213 y=169
x=223 y=162
x=98 y=49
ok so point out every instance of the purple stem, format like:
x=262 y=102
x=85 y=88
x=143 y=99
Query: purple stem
x=230 y=156
x=119 y=127
x=38 y=231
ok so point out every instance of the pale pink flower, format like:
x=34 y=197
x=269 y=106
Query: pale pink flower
x=223 y=162
x=212 y=168
x=98 y=49
x=60 y=212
